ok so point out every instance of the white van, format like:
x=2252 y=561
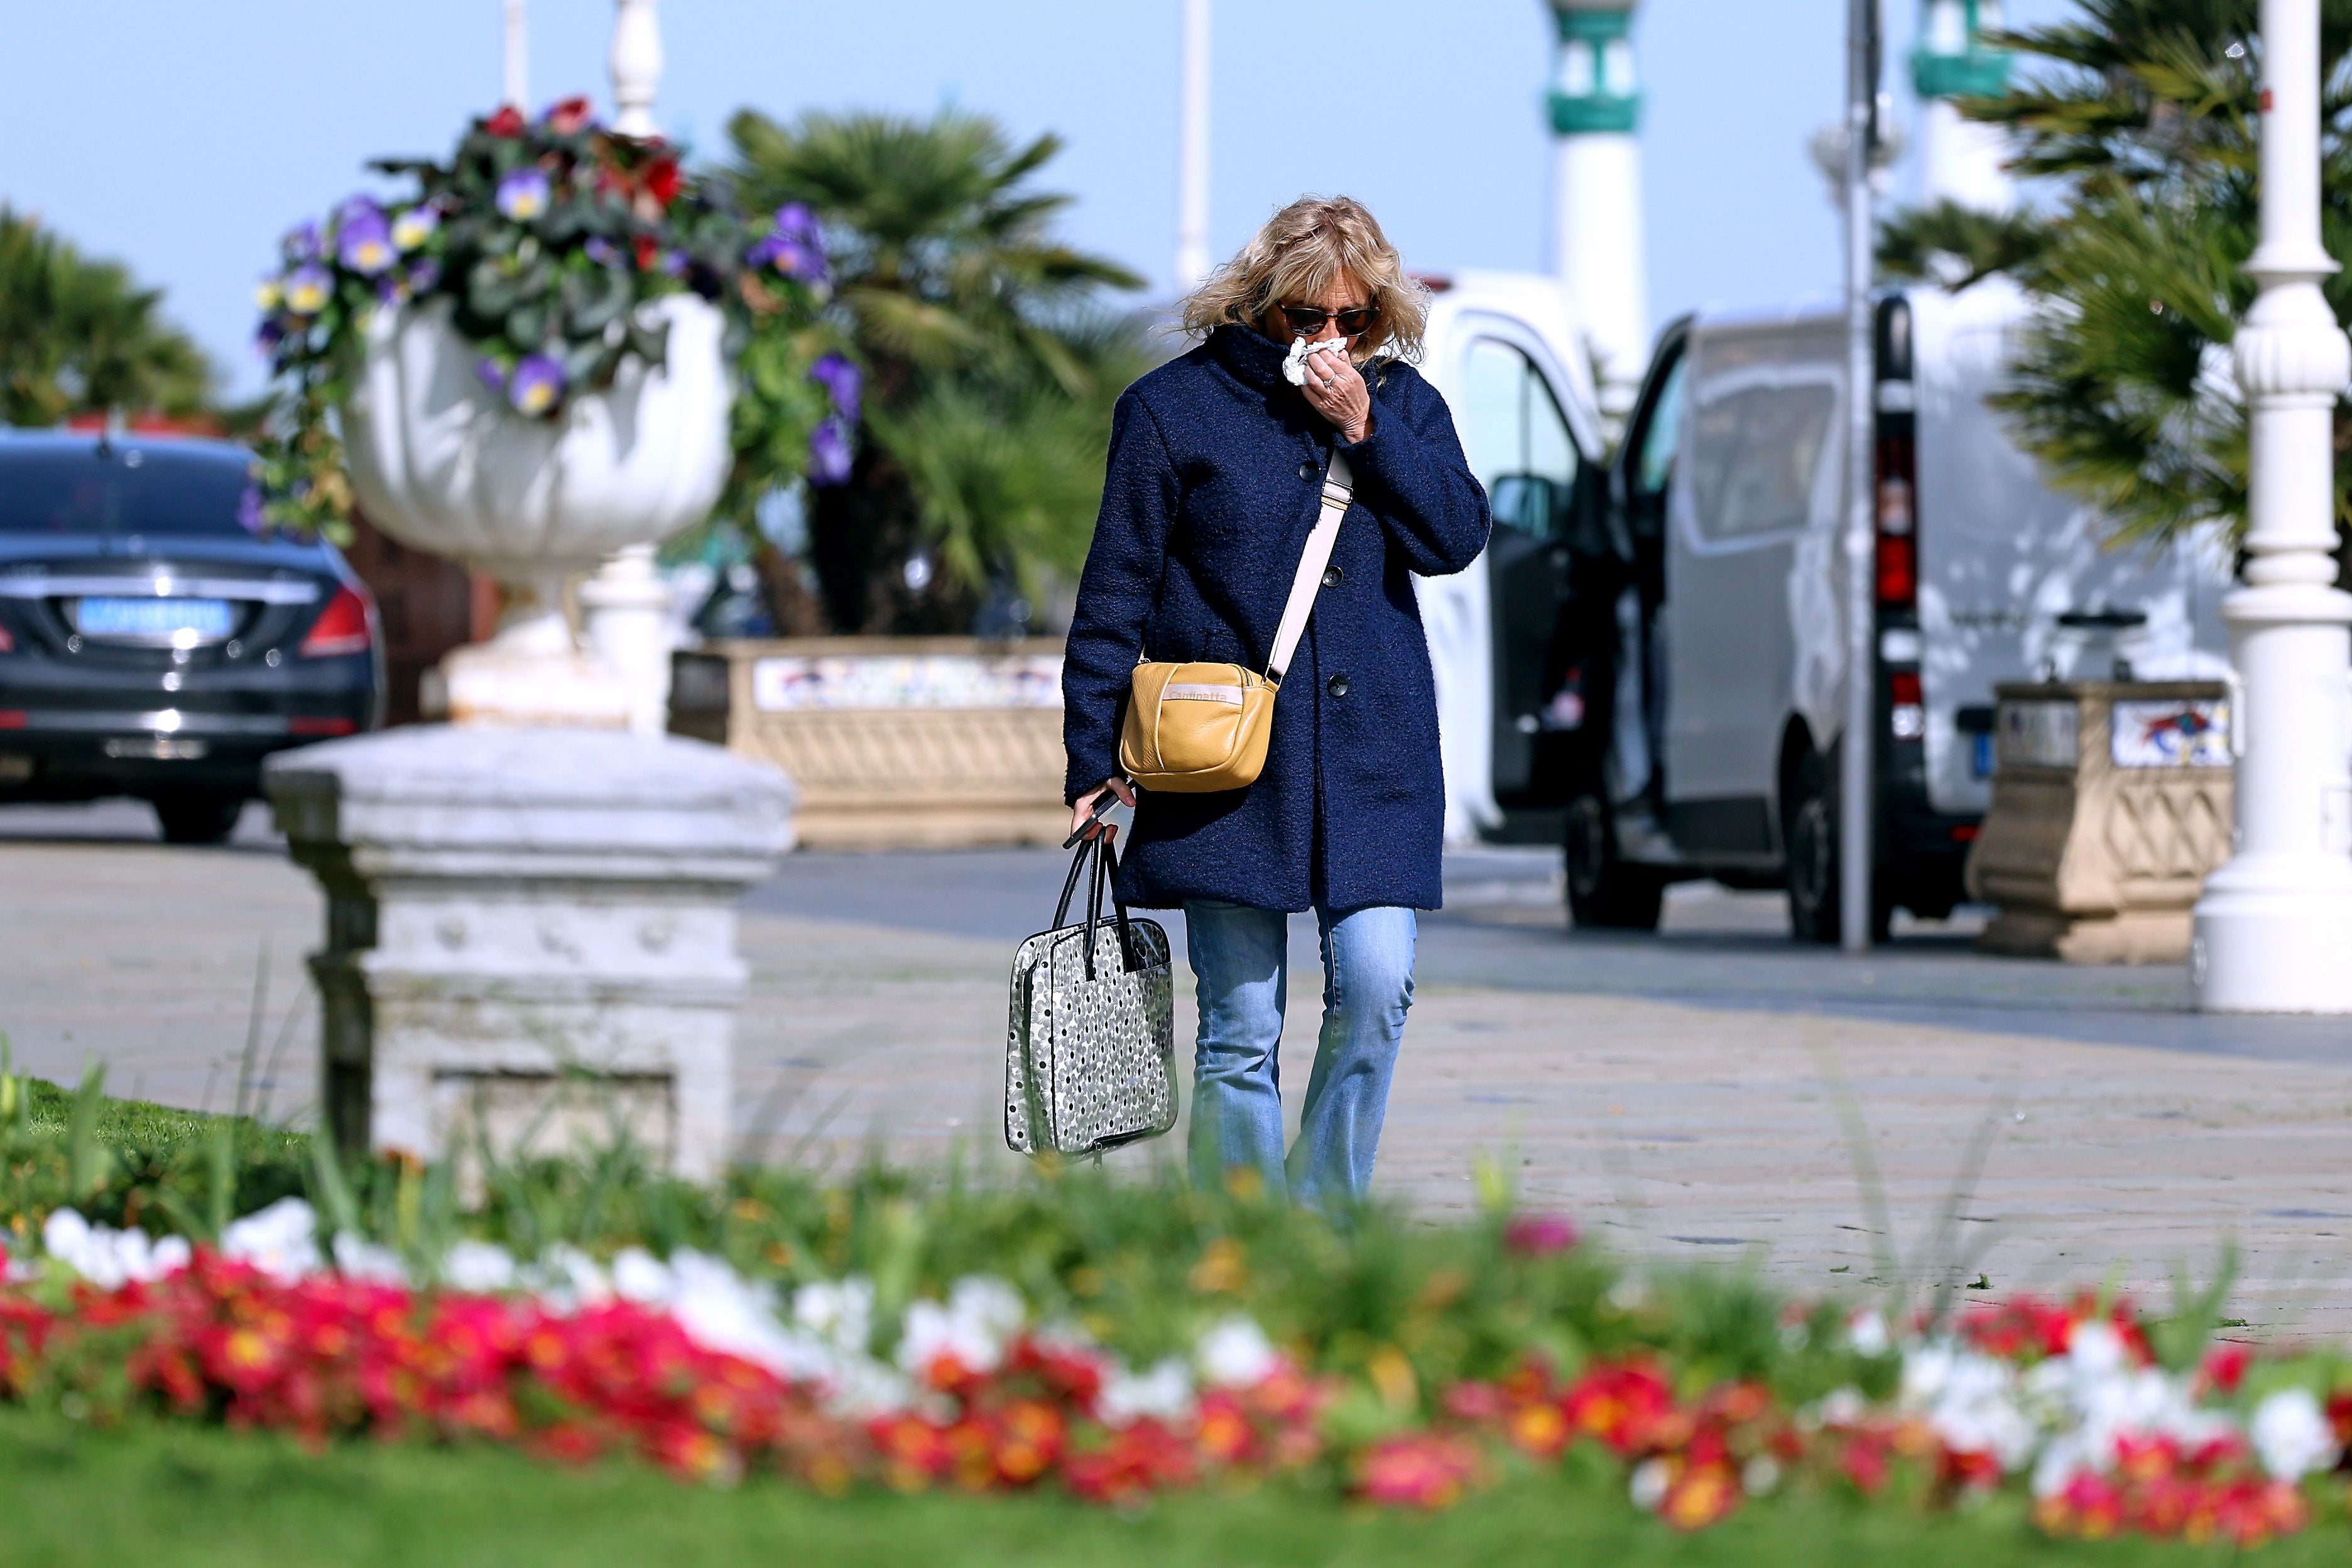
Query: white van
x=1506 y=350
x=1705 y=652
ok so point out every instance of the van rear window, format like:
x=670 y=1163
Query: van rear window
x=1754 y=455
x=127 y=491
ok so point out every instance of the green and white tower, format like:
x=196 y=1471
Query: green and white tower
x=1959 y=160
x=1592 y=239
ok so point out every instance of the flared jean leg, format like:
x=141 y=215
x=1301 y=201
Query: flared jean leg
x=1240 y=965
x=1367 y=957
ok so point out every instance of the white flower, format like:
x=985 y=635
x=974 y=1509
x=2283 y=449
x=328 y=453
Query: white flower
x=639 y=1276
x=1839 y=1407
x=357 y=1259
x=107 y=1257
x=840 y=1312
x=1648 y=1487
x=2291 y=1435
x=567 y=1276
x=1759 y=1475
x=982 y=1315
x=1867 y=1332
x=1165 y=1392
x=1235 y=1353
x=281 y=1240
x=478 y=1266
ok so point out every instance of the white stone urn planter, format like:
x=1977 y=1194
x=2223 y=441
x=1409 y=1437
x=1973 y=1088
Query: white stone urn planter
x=441 y=462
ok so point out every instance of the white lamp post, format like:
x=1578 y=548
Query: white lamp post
x=2274 y=927
x=1193 y=150
x=514 y=60
x=1592 y=239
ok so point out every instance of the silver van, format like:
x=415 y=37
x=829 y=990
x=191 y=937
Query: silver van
x=1702 y=653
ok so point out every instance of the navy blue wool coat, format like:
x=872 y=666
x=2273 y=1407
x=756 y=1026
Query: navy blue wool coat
x=1215 y=480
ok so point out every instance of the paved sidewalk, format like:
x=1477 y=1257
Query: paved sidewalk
x=1710 y=1092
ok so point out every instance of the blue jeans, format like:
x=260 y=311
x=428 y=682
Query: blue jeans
x=1241 y=960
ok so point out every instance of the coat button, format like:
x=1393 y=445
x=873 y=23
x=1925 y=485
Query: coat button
x=1338 y=686
x=1307 y=470
x=1332 y=576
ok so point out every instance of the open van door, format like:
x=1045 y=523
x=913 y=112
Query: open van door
x=1522 y=450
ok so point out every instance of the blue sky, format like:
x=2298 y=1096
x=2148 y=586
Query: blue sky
x=183 y=136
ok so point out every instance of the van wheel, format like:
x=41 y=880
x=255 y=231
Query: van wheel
x=1605 y=893
x=1808 y=828
x=198 y=817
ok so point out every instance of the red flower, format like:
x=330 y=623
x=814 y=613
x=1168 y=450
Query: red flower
x=2225 y=1366
x=1700 y=1495
x=1419 y=1470
x=648 y=250
x=1629 y=1407
x=506 y=121
x=568 y=116
x=663 y=179
x=1540 y=1235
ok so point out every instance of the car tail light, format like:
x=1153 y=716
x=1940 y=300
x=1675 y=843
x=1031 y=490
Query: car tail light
x=7 y=643
x=303 y=724
x=1907 y=707
x=12 y=718
x=1896 y=483
x=343 y=626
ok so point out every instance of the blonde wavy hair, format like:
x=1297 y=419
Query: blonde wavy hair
x=1299 y=253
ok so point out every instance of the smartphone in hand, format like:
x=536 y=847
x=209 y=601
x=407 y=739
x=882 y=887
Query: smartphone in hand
x=1104 y=804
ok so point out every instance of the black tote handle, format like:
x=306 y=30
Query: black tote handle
x=1070 y=885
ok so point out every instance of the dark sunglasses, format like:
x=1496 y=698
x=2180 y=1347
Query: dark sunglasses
x=1354 y=321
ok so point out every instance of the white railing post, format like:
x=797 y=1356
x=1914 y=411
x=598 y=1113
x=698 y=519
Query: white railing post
x=636 y=62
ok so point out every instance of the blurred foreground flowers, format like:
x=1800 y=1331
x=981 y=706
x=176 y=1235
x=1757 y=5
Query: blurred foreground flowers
x=717 y=1377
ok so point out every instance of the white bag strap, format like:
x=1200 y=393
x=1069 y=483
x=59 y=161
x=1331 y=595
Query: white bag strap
x=1338 y=490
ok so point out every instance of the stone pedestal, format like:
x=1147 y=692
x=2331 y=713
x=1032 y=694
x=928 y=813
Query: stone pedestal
x=530 y=935
x=2110 y=806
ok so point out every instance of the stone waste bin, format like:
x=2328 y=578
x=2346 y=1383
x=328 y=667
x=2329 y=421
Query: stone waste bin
x=530 y=935
x=2110 y=807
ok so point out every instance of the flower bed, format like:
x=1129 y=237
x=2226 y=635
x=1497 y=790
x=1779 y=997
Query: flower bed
x=716 y=1376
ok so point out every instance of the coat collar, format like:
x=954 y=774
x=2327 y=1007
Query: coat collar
x=1255 y=360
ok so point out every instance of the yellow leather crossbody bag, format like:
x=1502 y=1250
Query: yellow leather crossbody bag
x=1194 y=729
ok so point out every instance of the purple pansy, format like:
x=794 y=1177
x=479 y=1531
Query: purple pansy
x=841 y=381
x=601 y=252
x=363 y=238
x=301 y=244
x=793 y=245
x=271 y=332
x=414 y=226
x=493 y=374
x=249 y=515
x=522 y=195
x=828 y=453
x=536 y=386
x=424 y=276
x=308 y=289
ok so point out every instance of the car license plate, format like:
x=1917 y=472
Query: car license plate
x=1980 y=756
x=209 y=618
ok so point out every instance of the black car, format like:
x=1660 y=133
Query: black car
x=154 y=641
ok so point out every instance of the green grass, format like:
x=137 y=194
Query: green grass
x=163 y=1128
x=176 y=1495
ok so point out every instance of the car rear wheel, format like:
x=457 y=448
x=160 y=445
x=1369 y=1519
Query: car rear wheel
x=1808 y=829
x=192 y=816
x=1605 y=893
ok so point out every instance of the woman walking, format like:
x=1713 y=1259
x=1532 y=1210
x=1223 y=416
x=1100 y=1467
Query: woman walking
x=1217 y=467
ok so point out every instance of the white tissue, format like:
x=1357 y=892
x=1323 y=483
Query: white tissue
x=1294 y=368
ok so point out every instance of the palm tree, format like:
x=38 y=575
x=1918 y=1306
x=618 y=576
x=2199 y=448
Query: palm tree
x=2144 y=111
x=79 y=336
x=991 y=362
